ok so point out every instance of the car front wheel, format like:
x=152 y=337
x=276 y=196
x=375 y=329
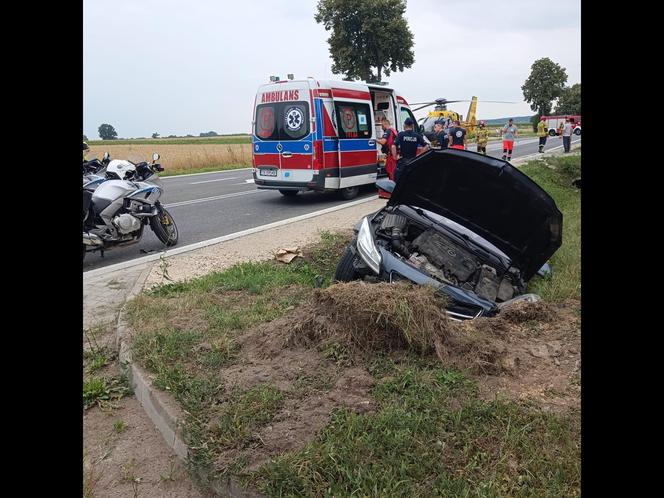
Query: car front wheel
x=345 y=270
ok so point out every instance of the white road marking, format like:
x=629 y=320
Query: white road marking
x=217 y=180
x=214 y=198
x=175 y=177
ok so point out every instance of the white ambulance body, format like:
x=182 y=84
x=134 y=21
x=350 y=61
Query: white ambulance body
x=321 y=135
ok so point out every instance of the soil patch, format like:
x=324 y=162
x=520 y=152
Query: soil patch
x=530 y=351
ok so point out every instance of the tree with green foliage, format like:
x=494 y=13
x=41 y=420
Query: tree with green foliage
x=569 y=101
x=155 y=135
x=545 y=84
x=107 y=132
x=367 y=34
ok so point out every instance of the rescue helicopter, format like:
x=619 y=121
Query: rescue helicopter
x=440 y=111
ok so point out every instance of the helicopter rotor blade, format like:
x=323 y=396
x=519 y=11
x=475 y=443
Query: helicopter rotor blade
x=422 y=107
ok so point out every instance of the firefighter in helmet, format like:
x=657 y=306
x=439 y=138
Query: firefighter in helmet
x=542 y=133
x=482 y=137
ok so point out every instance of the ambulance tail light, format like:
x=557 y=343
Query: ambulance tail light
x=318 y=154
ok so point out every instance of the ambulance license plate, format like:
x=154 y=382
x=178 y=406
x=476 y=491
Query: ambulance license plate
x=268 y=172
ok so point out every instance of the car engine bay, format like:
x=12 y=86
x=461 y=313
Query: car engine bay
x=433 y=250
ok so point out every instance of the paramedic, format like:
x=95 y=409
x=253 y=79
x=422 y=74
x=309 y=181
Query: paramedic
x=389 y=135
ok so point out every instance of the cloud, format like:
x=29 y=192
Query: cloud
x=185 y=67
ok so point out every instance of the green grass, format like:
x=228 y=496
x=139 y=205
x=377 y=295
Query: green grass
x=233 y=139
x=565 y=281
x=209 y=312
x=431 y=436
x=244 y=412
x=102 y=391
x=119 y=426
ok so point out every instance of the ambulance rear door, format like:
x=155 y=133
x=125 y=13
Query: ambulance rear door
x=358 y=157
x=283 y=133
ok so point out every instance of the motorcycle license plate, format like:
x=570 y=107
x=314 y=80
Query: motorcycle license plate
x=268 y=172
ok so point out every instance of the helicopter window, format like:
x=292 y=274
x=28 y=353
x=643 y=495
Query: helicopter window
x=355 y=120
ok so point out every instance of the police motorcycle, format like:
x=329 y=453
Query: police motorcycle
x=119 y=209
x=94 y=172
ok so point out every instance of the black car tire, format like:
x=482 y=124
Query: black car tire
x=577 y=131
x=552 y=133
x=162 y=233
x=349 y=193
x=345 y=271
x=289 y=193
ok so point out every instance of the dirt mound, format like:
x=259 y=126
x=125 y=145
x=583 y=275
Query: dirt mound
x=372 y=316
x=529 y=352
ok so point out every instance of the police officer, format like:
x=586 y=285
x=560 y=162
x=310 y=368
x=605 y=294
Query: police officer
x=406 y=144
x=482 y=137
x=440 y=133
x=542 y=133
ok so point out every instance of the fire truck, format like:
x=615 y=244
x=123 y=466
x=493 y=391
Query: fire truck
x=553 y=124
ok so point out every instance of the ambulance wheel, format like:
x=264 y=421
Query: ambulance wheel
x=289 y=193
x=349 y=193
x=345 y=271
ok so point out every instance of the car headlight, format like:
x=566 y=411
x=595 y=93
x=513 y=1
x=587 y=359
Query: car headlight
x=366 y=247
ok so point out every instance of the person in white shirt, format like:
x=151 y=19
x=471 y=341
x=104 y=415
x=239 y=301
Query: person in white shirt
x=567 y=135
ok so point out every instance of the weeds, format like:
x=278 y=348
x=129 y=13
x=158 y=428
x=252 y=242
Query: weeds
x=103 y=391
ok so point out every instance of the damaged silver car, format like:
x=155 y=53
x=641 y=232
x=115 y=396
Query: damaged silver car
x=473 y=226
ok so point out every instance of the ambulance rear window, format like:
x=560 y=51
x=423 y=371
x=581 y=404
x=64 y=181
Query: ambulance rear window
x=265 y=128
x=355 y=120
x=282 y=121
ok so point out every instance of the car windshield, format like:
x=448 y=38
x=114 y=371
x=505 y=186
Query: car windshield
x=463 y=231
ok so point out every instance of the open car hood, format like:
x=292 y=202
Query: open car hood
x=488 y=196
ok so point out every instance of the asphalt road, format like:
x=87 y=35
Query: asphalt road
x=210 y=205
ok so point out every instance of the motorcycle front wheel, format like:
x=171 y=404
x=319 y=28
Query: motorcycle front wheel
x=164 y=228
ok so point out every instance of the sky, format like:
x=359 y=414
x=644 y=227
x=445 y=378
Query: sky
x=186 y=67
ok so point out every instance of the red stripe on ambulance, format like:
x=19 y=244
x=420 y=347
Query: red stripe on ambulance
x=350 y=94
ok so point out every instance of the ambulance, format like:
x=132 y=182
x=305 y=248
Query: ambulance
x=321 y=135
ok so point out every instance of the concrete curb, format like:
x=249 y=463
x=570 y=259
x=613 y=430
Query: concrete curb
x=162 y=411
x=161 y=408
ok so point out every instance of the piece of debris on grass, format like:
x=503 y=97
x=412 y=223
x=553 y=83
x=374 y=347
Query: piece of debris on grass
x=288 y=254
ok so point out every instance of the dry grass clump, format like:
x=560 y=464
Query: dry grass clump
x=373 y=316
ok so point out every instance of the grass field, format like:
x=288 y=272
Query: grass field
x=181 y=158
x=226 y=139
